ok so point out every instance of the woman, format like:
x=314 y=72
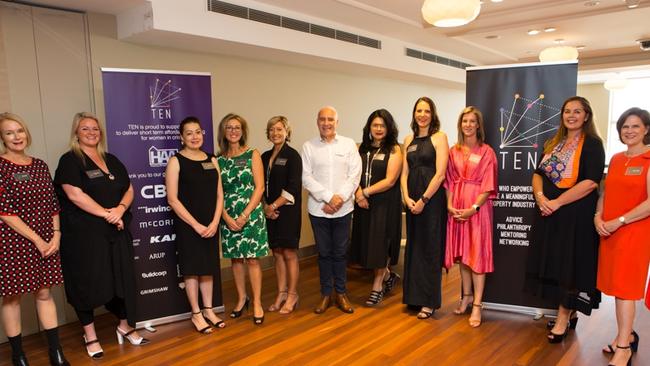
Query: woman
x=623 y=224
x=377 y=224
x=29 y=238
x=95 y=194
x=243 y=231
x=471 y=185
x=562 y=257
x=282 y=208
x=425 y=162
x=194 y=193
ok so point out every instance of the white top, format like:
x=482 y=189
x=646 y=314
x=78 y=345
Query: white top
x=330 y=168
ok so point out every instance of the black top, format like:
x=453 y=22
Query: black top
x=285 y=174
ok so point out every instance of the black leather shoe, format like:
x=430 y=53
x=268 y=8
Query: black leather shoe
x=57 y=358
x=19 y=360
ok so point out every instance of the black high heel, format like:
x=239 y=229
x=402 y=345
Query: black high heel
x=573 y=321
x=634 y=345
x=237 y=313
x=258 y=321
x=557 y=338
x=629 y=360
x=218 y=324
x=390 y=282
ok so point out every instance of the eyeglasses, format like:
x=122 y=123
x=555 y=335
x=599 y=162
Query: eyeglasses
x=233 y=128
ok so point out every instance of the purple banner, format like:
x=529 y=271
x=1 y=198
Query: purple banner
x=143 y=111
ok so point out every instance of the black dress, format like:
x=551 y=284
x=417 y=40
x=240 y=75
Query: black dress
x=197 y=191
x=376 y=232
x=563 y=256
x=426 y=232
x=96 y=257
x=284 y=175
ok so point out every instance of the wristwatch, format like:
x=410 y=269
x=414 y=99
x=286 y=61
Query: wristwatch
x=425 y=199
x=476 y=207
x=622 y=220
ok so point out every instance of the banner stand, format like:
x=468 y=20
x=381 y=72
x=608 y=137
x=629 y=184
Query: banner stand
x=151 y=323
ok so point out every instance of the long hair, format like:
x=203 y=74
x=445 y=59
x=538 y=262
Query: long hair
x=6 y=116
x=434 y=126
x=480 y=131
x=588 y=127
x=74 y=140
x=221 y=136
x=390 y=140
x=643 y=115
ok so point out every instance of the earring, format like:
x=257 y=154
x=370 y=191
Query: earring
x=370 y=135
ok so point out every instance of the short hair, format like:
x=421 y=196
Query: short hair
x=285 y=122
x=480 y=131
x=391 y=130
x=221 y=137
x=434 y=126
x=8 y=116
x=187 y=120
x=74 y=140
x=643 y=114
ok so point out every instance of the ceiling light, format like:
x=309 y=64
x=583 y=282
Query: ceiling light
x=580 y=47
x=615 y=83
x=533 y=32
x=496 y=1
x=592 y=3
x=550 y=29
x=631 y=4
x=558 y=53
x=444 y=13
x=558 y=41
x=493 y=36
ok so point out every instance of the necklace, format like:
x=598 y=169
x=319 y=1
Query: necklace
x=369 y=161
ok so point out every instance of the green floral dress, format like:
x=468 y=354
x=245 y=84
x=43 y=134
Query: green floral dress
x=238 y=186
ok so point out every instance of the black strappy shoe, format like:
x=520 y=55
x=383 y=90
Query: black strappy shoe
x=374 y=298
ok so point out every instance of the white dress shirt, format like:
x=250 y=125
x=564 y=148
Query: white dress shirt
x=330 y=168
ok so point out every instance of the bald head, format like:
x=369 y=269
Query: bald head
x=328 y=120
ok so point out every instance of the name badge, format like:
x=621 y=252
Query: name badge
x=240 y=163
x=380 y=156
x=208 y=166
x=634 y=170
x=280 y=161
x=474 y=158
x=412 y=148
x=22 y=177
x=96 y=173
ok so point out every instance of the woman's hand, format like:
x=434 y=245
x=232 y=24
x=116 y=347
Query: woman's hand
x=409 y=203
x=210 y=230
x=114 y=214
x=199 y=228
x=270 y=212
x=43 y=247
x=546 y=206
x=231 y=224
x=363 y=202
x=417 y=208
x=120 y=224
x=54 y=244
x=464 y=214
x=609 y=227
x=241 y=220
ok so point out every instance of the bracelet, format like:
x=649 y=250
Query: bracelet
x=275 y=207
x=539 y=194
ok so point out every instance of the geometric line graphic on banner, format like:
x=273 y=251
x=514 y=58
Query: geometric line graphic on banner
x=525 y=122
x=160 y=95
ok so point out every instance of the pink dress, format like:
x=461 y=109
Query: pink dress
x=470 y=242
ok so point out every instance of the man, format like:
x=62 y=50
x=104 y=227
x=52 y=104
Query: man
x=331 y=173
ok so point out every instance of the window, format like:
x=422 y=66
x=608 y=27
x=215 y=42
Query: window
x=634 y=95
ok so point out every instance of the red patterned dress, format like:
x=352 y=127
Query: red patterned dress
x=26 y=191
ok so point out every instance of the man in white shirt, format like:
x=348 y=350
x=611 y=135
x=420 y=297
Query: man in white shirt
x=331 y=172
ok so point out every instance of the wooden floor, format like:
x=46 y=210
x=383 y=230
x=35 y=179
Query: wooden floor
x=386 y=335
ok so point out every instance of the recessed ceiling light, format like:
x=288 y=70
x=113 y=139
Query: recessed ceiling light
x=558 y=41
x=493 y=36
x=496 y=1
x=631 y=4
x=533 y=32
x=580 y=47
x=550 y=29
x=592 y=3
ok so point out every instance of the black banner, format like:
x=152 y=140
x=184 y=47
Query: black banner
x=521 y=107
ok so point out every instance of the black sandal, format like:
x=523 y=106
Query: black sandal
x=634 y=345
x=204 y=330
x=424 y=314
x=629 y=360
x=218 y=324
x=374 y=298
x=390 y=282
x=573 y=322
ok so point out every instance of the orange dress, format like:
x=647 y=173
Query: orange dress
x=624 y=256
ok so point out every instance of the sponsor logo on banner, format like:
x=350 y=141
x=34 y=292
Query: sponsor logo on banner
x=160 y=157
x=156 y=223
x=153 y=191
x=154 y=274
x=159 y=255
x=155 y=209
x=162 y=238
x=161 y=94
x=149 y=291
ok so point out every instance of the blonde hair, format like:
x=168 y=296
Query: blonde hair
x=74 y=140
x=273 y=121
x=8 y=116
x=480 y=131
x=221 y=136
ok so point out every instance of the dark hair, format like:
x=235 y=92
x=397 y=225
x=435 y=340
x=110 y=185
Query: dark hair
x=480 y=131
x=434 y=126
x=391 y=130
x=221 y=136
x=588 y=127
x=634 y=111
x=187 y=120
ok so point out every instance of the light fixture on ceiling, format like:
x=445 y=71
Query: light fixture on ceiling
x=558 y=53
x=592 y=3
x=615 y=83
x=631 y=4
x=533 y=32
x=550 y=29
x=580 y=47
x=444 y=13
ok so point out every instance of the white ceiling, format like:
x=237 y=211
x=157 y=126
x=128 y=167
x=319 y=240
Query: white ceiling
x=608 y=30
